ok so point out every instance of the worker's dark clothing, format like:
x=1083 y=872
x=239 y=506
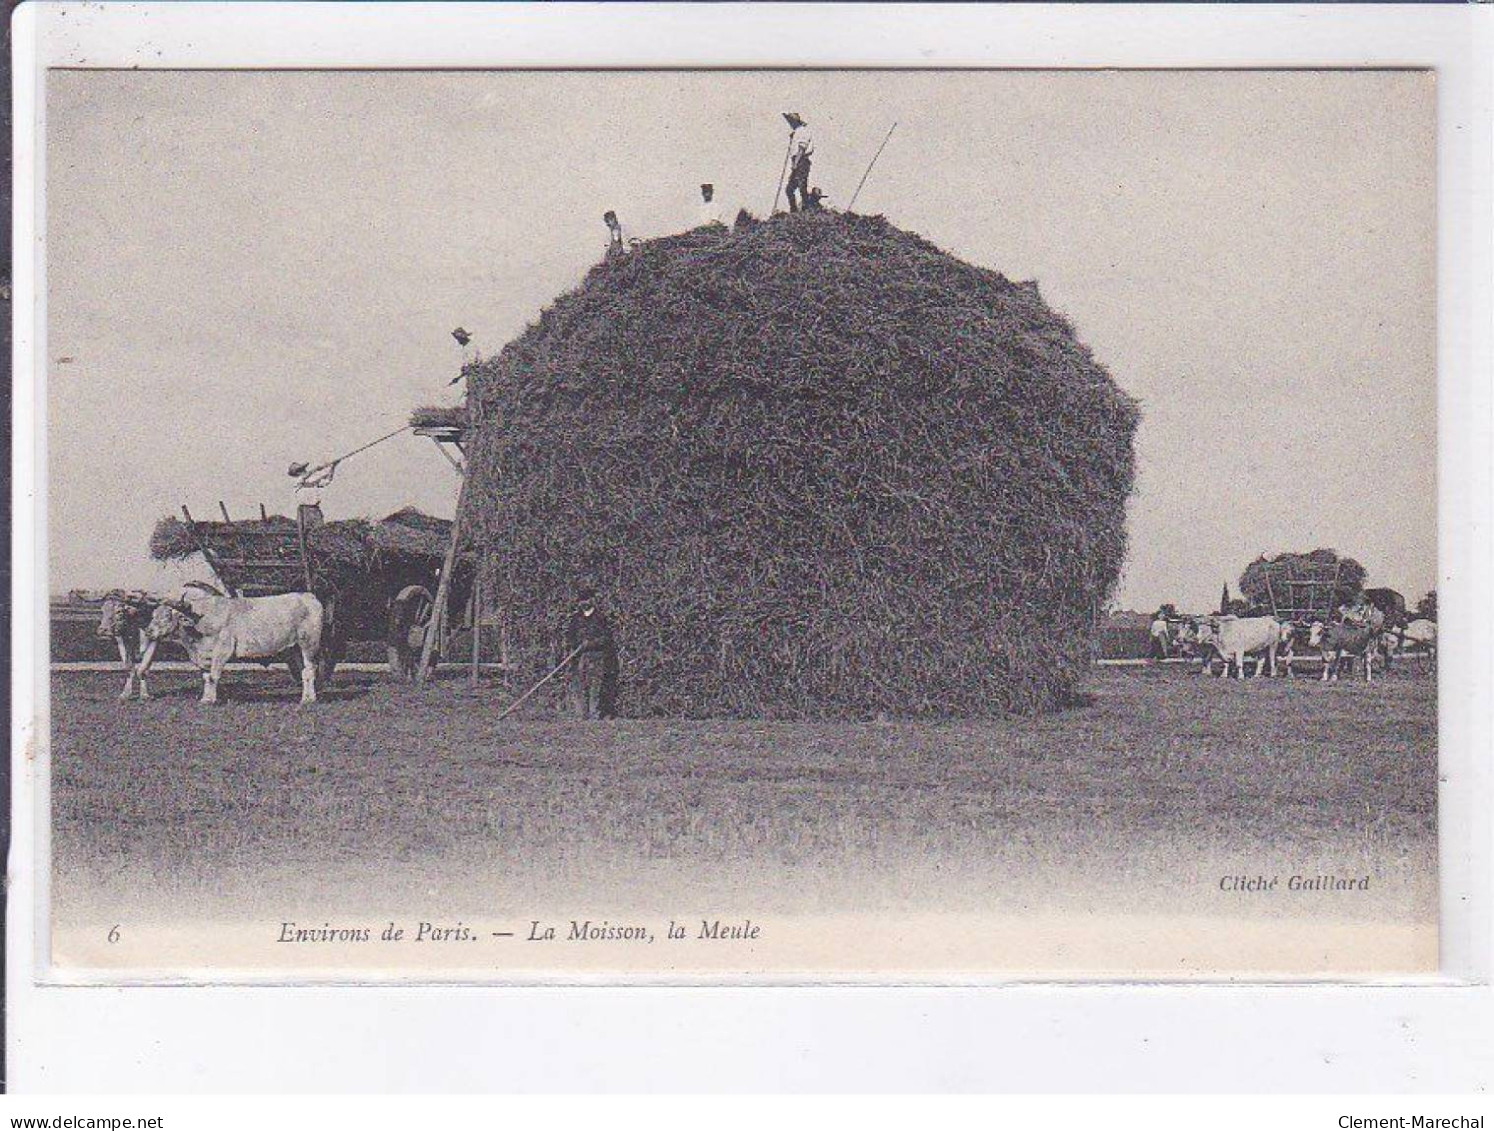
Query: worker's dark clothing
x=799 y=182
x=591 y=685
x=1160 y=646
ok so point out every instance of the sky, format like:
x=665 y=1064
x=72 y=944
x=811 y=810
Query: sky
x=248 y=269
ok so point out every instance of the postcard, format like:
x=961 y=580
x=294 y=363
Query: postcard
x=730 y=525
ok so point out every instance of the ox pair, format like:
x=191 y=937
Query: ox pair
x=213 y=630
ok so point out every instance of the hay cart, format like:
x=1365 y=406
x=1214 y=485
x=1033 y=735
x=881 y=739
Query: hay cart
x=1302 y=592
x=379 y=581
x=1299 y=592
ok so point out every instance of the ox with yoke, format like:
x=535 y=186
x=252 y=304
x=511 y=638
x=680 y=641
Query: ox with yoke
x=375 y=582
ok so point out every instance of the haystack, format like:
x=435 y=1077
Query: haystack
x=818 y=468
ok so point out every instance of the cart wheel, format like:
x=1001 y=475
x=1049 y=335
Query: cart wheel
x=409 y=620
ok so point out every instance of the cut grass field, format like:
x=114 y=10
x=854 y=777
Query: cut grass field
x=1143 y=796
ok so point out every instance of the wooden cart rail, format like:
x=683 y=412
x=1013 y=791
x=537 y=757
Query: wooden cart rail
x=258 y=558
x=1303 y=593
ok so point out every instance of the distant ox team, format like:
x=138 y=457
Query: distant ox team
x=1360 y=632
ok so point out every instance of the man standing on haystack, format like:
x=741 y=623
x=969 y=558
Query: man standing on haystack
x=799 y=177
x=591 y=688
x=710 y=208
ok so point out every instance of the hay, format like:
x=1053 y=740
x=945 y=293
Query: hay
x=172 y=541
x=345 y=553
x=413 y=533
x=439 y=416
x=1286 y=568
x=169 y=541
x=819 y=468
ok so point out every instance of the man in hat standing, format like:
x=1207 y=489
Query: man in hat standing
x=799 y=177
x=615 y=234
x=710 y=207
x=591 y=688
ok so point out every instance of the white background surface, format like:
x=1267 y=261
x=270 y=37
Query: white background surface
x=1030 y=1038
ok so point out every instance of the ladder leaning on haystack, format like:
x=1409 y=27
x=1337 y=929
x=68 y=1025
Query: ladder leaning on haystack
x=449 y=428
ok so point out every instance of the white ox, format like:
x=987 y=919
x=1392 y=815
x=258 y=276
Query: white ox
x=1236 y=637
x=1420 y=634
x=215 y=630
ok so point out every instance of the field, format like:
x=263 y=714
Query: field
x=1139 y=799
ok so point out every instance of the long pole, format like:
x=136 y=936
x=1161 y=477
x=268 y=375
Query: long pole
x=476 y=621
x=514 y=706
x=207 y=554
x=443 y=592
x=301 y=546
x=309 y=472
x=866 y=174
x=789 y=152
x=474 y=414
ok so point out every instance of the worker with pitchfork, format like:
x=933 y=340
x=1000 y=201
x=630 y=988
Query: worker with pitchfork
x=591 y=686
x=799 y=178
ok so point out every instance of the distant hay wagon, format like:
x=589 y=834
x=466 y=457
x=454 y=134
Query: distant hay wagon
x=379 y=580
x=1302 y=588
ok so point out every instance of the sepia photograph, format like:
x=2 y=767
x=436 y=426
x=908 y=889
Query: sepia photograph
x=741 y=525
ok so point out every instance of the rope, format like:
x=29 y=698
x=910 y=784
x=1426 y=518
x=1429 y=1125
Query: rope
x=514 y=706
x=371 y=443
x=309 y=478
